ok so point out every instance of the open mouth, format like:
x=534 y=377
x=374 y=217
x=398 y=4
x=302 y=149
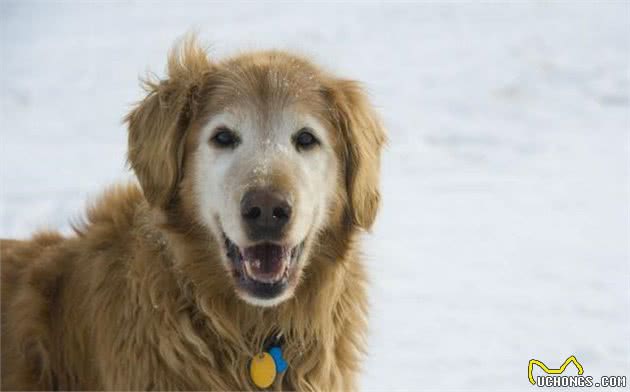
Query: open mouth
x=263 y=270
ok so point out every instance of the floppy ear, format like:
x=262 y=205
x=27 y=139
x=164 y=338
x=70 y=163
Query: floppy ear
x=364 y=137
x=159 y=123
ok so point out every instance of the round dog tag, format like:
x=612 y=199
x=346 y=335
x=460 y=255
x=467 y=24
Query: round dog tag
x=262 y=370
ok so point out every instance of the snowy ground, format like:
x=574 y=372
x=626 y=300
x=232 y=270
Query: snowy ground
x=504 y=234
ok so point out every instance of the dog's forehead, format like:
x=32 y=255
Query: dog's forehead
x=269 y=83
x=276 y=124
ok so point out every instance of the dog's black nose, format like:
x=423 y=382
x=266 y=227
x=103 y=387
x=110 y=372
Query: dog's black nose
x=265 y=213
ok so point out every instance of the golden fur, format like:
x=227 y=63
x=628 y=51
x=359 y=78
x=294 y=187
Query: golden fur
x=137 y=298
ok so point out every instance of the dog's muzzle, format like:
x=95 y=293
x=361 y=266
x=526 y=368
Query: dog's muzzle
x=264 y=269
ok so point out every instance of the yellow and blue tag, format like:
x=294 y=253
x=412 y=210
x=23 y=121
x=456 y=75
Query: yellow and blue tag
x=264 y=367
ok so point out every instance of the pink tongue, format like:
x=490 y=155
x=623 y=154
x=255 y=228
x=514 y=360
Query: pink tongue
x=265 y=260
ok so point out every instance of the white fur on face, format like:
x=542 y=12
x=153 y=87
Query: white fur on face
x=266 y=149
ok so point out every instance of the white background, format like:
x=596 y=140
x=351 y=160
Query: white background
x=504 y=232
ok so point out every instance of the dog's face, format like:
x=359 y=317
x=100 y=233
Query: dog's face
x=273 y=151
x=265 y=179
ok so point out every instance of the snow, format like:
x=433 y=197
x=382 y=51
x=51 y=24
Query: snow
x=505 y=224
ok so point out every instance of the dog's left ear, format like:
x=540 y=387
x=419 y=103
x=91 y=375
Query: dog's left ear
x=364 y=137
x=158 y=125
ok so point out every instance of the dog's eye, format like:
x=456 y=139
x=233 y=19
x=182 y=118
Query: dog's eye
x=225 y=138
x=305 y=140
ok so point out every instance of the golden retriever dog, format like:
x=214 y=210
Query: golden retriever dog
x=257 y=175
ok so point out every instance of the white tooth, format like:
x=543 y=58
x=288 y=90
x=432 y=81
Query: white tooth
x=248 y=271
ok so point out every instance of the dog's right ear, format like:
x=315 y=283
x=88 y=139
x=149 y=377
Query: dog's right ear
x=159 y=123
